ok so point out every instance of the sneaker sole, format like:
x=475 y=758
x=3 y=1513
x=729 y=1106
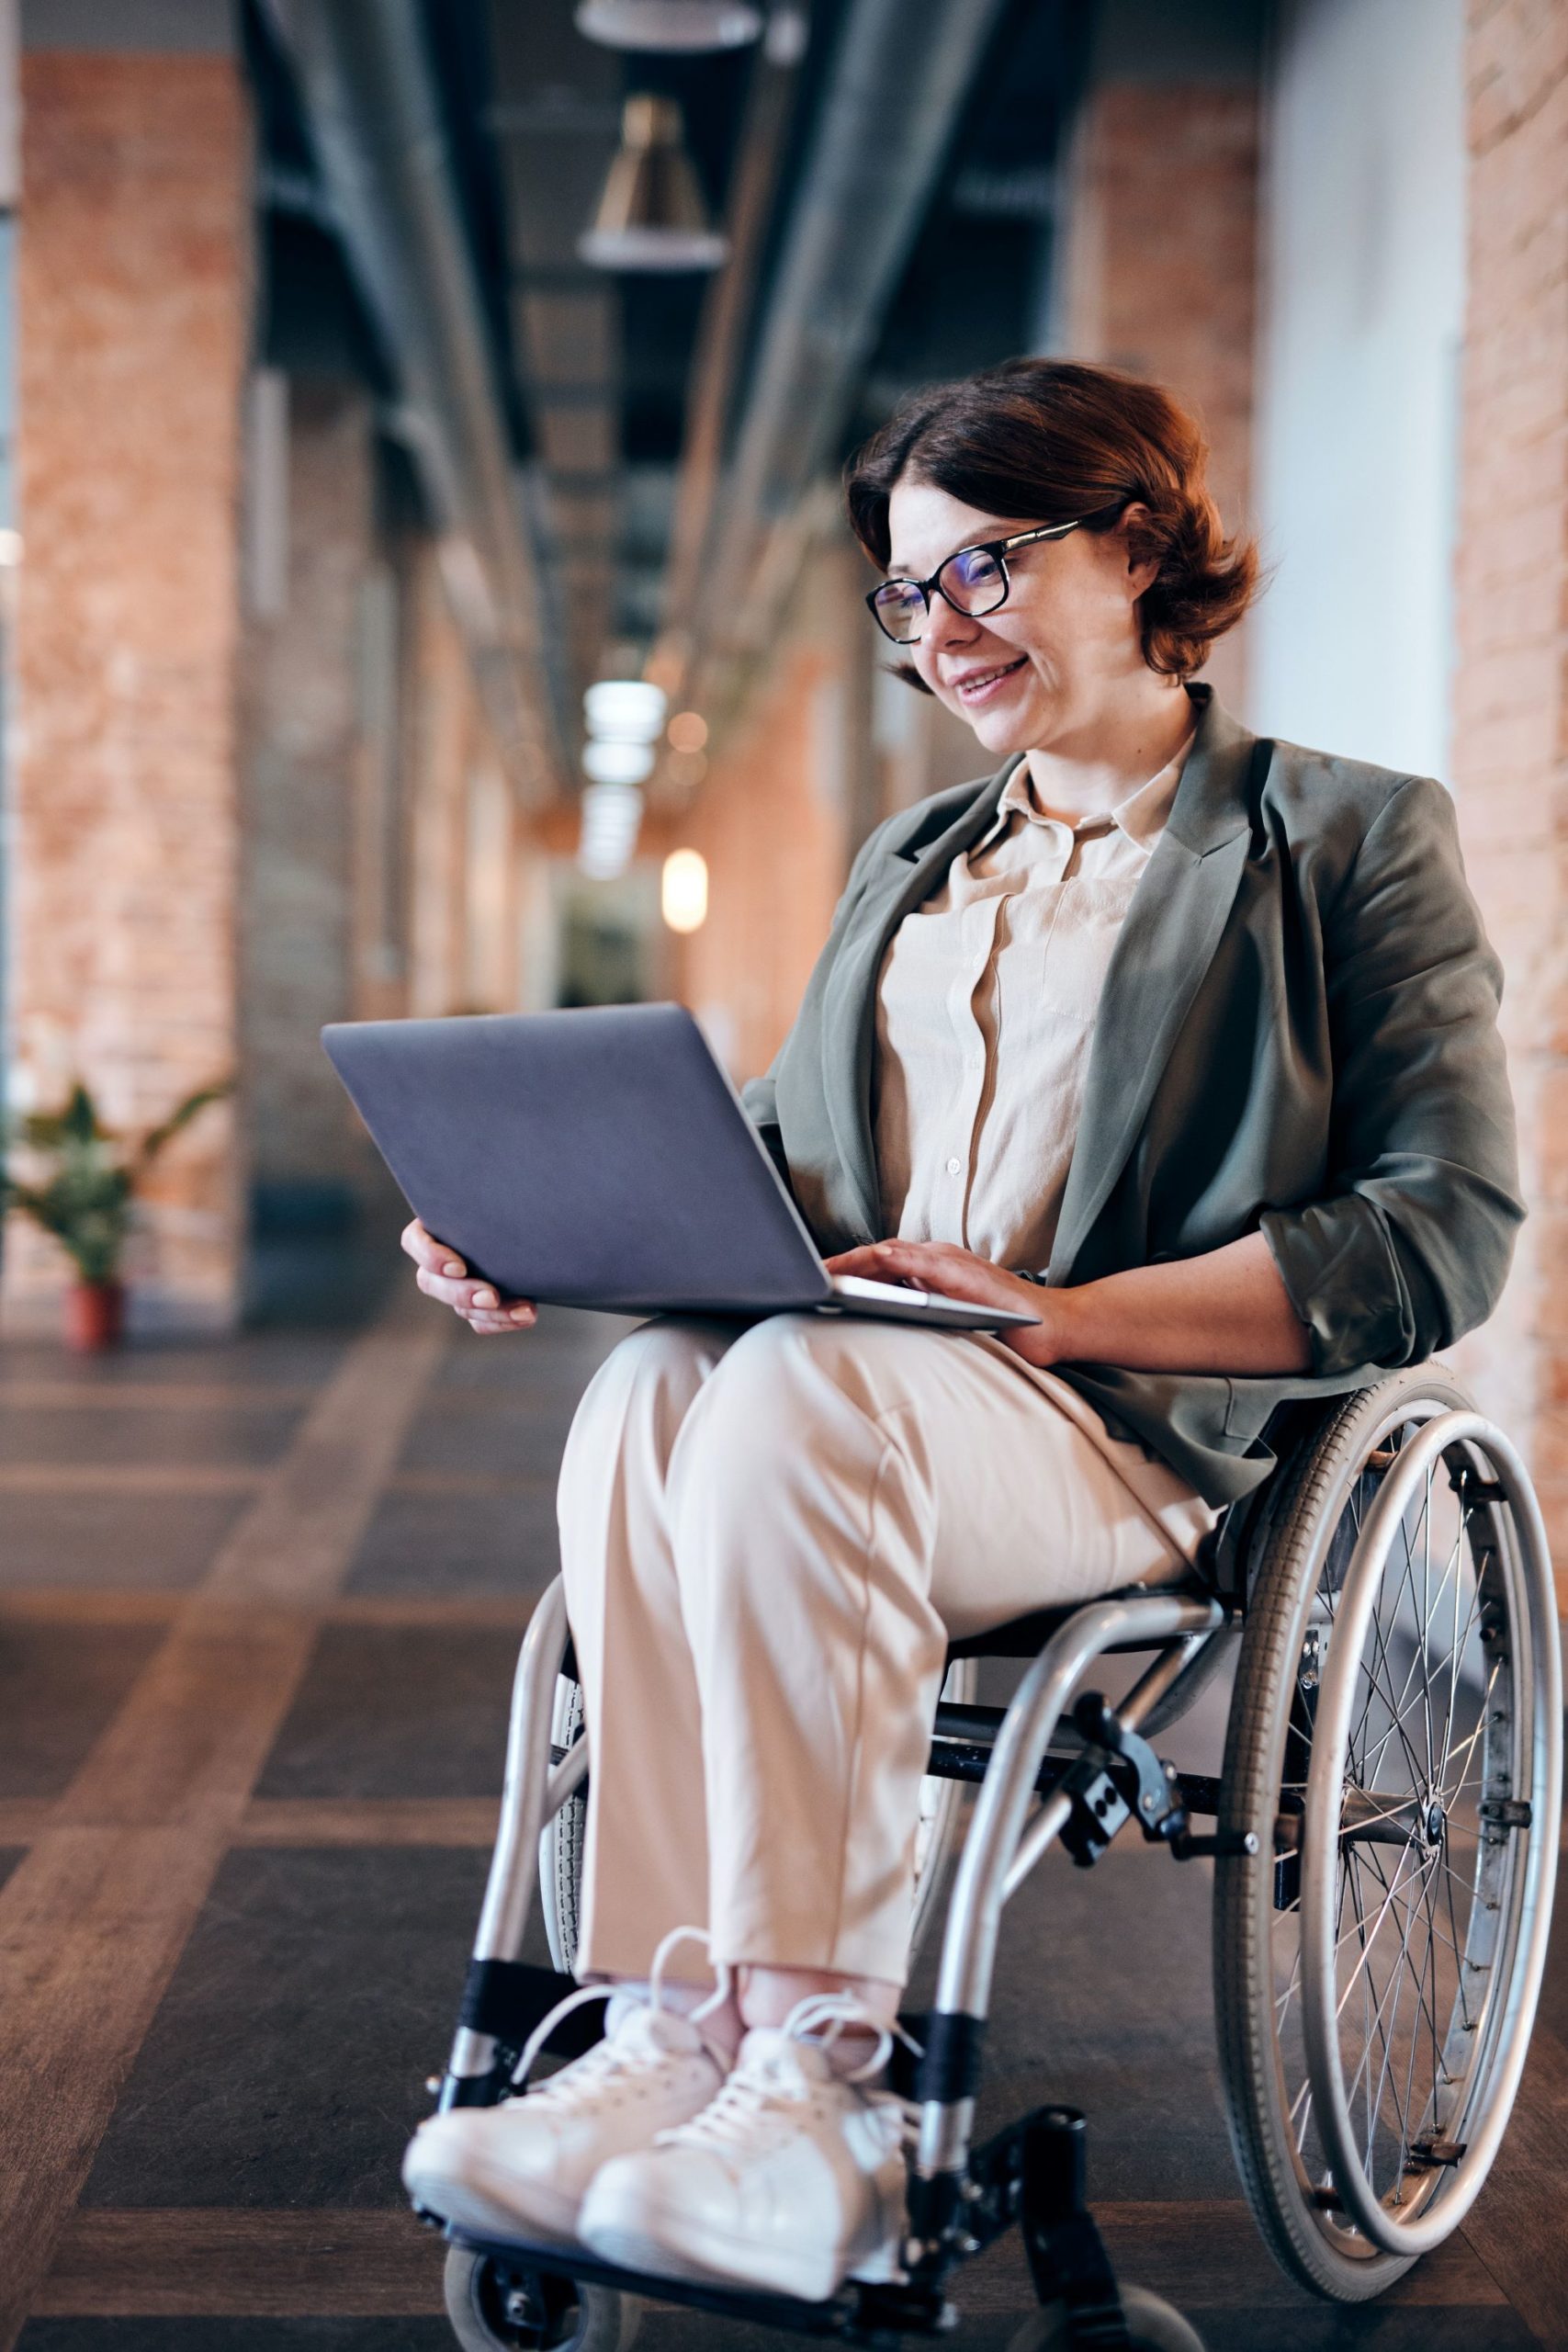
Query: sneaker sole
x=490 y=2208
x=708 y=2260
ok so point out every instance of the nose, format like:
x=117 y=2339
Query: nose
x=945 y=627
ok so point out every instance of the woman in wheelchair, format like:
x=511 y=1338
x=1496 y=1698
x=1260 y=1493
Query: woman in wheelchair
x=1182 y=1039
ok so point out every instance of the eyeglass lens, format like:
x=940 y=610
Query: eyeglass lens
x=973 y=580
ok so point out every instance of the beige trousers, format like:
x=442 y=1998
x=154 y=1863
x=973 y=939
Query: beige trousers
x=767 y=1536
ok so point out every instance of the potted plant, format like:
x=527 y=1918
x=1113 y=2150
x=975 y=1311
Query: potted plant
x=86 y=1182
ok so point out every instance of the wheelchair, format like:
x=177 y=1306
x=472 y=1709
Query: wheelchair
x=1384 y=1841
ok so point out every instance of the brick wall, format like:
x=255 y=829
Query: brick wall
x=1510 y=713
x=134 y=305
x=773 y=822
x=1158 y=272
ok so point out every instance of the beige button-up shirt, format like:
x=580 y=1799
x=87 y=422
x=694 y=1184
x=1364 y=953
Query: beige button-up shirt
x=985 y=1014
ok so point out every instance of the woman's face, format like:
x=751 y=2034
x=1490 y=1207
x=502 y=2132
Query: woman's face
x=1044 y=663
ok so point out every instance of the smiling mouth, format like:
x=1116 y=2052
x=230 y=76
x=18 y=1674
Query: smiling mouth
x=975 y=688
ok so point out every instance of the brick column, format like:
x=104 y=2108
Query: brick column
x=1158 y=270
x=133 y=303
x=1510 y=715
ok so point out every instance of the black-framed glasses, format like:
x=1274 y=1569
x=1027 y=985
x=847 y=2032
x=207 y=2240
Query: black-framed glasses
x=973 y=580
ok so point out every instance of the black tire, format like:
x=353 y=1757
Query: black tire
x=601 y=2321
x=560 y=1848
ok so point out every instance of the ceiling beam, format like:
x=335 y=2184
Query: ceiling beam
x=884 y=128
x=376 y=122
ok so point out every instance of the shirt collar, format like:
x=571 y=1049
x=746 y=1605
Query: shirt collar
x=1141 y=814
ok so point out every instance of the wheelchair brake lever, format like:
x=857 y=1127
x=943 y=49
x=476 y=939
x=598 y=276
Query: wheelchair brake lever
x=1150 y=1789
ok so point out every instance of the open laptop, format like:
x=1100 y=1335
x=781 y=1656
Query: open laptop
x=602 y=1159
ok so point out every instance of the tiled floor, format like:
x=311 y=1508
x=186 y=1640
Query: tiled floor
x=259 y=1605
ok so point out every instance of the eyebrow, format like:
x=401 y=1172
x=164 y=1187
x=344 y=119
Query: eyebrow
x=903 y=572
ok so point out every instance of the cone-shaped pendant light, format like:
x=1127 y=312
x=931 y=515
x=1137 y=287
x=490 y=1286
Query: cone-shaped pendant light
x=651 y=215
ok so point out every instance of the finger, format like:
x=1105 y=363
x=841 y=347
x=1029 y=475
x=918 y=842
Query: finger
x=491 y=1323
x=511 y=1314
x=463 y=1295
x=425 y=1251
x=864 y=1259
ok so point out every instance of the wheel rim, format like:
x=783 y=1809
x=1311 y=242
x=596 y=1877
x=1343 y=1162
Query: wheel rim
x=1427 y=1691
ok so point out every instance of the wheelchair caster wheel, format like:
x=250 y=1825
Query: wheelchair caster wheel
x=496 y=2310
x=1153 y=2326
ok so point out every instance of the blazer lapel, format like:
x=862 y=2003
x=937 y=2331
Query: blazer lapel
x=1167 y=944
x=848 y=1012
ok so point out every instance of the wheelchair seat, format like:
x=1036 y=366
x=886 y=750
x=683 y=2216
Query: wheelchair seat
x=1026 y=1636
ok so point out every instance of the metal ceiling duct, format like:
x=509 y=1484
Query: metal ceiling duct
x=885 y=125
x=366 y=82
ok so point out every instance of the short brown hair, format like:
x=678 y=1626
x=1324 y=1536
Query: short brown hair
x=1055 y=439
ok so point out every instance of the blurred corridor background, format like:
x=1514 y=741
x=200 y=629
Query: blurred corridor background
x=376 y=378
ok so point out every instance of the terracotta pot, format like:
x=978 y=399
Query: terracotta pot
x=94 y=1316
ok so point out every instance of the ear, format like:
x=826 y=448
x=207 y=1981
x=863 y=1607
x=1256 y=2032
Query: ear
x=1129 y=532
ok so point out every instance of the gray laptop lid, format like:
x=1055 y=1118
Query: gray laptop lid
x=597 y=1158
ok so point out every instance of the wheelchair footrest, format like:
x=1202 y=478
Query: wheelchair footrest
x=856 y=2314
x=1035 y=2173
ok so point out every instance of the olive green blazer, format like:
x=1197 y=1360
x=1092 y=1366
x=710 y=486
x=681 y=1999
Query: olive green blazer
x=1298 y=1035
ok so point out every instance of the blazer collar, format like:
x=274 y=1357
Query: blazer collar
x=1163 y=952
x=1212 y=803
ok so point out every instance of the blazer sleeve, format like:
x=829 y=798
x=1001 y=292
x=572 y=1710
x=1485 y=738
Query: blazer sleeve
x=1412 y=1246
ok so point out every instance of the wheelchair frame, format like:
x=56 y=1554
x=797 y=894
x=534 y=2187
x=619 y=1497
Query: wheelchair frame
x=1093 y=1770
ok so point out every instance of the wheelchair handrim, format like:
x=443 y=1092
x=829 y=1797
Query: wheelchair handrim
x=1476 y=2065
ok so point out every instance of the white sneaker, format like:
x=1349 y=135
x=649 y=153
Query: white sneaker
x=520 y=2169
x=790 y=2180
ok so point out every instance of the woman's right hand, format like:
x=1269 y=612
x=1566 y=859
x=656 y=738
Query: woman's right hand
x=441 y=1275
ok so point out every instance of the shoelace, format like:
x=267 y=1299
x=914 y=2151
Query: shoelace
x=607 y=2060
x=761 y=2087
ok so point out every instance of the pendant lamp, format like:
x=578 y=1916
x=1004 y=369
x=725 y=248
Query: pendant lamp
x=688 y=25
x=651 y=215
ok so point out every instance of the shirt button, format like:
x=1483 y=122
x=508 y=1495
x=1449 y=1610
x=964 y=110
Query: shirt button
x=954 y=1166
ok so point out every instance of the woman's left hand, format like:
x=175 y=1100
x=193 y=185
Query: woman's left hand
x=942 y=1267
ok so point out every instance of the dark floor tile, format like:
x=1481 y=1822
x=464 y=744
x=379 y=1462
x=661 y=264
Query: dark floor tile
x=1104 y=2000
x=521 y=1445
x=286 y=2064
x=233 y=1436
x=396 y=1712
x=452 y=1545
x=59 y=1686
x=564 y=1350
x=235 y=2336
x=113 y=1541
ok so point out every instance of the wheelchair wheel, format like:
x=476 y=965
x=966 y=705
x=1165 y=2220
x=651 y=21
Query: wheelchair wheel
x=1393 y=1748
x=561 y=1848
x=495 y=2312
x=1153 y=2324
